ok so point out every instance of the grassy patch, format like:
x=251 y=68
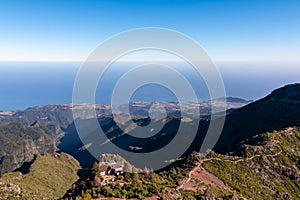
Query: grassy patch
x=49 y=177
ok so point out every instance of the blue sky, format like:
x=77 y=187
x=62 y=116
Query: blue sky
x=229 y=30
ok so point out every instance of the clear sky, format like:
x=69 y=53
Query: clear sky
x=229 y=30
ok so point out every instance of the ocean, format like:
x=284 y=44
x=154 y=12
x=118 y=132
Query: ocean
x=27 y=84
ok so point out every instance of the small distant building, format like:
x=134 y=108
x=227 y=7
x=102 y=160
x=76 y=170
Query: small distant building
x=103 y=169
x=116 y=169
x=110 y=168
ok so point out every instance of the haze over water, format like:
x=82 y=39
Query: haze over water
x=27 y=84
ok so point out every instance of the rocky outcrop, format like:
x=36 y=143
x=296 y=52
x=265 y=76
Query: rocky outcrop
x=8 y=190
x=20 y=143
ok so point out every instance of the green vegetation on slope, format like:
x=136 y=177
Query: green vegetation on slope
x=49 y=177
x=137 y=185
x=129 y=185
x=270 y=170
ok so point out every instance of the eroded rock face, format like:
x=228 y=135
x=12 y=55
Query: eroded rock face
x=20 y=143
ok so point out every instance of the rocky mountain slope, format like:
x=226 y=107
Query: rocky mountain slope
x=20 y=143
x=270 y=169
x=59 y=114
x=278 y=110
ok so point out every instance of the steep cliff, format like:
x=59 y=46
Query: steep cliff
x=20 y=143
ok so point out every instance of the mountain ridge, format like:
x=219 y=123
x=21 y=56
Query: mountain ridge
x=278 y=110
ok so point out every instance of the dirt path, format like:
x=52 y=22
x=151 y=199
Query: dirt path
x=190 y=175
x=200 y=173
x=250 y=158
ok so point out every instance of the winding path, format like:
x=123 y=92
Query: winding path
x=199 y=165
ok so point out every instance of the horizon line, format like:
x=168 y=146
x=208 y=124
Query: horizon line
x=124 y=61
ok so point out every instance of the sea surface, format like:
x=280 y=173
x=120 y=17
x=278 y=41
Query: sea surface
x=27 y=84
